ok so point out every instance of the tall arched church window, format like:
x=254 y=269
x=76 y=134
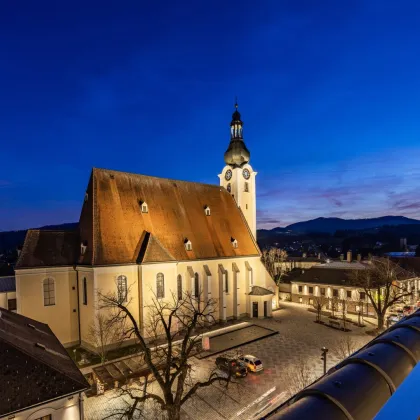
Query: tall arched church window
x=49 y=291
x=122 y=288
x=196 y=285
x=179 y=286
x=160 y=286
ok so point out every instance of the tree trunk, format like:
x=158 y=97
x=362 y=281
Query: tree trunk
x=174 y=412
x=380 y=321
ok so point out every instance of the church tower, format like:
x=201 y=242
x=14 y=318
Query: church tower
x=237 y=176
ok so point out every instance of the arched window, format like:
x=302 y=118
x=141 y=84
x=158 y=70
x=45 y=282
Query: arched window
x=84 y=291
x=49 y=292
x=179 y=286
x=122 y=288
x=228 y=188
x=226 y=282
x=196 y=285
x=207 y=211
x=246 y=188
x=160 y=286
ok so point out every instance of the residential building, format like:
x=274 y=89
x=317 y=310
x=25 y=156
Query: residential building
x=39 y=380
x=148 y=237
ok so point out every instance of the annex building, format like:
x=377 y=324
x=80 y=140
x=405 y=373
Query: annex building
x=147 y=236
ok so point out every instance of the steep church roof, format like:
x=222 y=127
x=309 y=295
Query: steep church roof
x=114 y=227
x=34 y=367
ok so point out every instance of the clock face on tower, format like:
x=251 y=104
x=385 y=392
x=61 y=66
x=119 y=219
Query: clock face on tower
x=228 y=175
x=246 y=173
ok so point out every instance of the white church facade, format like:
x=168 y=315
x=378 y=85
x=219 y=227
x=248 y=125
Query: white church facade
x=147 y=236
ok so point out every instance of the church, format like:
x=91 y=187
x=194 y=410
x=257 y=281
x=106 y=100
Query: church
x=150 y=236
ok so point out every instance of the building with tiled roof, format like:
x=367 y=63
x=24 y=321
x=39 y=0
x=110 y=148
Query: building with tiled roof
x=151 y=236
x=37 y=376
x=8 y=292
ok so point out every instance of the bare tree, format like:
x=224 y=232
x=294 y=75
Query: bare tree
x=179 y=323
x=273 y=260
x=383 y=283
x=298 y=376
x=345 y=347
x=318 y=304
x=333 y=305
x=102 y=334
x=343 y=304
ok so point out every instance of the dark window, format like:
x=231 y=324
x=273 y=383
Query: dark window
x=11 y=304
x=228 y=188
x=49 y=292
x=362 y=295
x=84 y=291
x=179 y=286
x=122 y=289
x=196 y=285
x=348 y=294
x=335 y=293
x=300 y=289
x=246 y=187
x=226 y=283
x=311 y=290
x=322 y=291
x=160 y=286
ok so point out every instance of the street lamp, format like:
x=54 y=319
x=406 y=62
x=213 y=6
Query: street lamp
x=324 y=358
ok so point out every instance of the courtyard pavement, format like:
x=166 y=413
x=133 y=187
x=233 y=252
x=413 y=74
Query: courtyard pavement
x=298 y=343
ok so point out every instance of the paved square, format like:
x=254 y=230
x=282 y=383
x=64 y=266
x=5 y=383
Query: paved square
x=299 y=341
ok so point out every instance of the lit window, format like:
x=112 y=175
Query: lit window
x=49 y=292
x=160 y=286
x=196 y=285
x=122 y=289
x=179 y=286
x=207 y=211
x=84 y=291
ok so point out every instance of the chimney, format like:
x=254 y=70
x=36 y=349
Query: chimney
x=349 y=256
x=359 y=257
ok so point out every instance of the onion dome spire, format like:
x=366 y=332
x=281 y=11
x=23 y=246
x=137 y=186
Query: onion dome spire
x=237 y=154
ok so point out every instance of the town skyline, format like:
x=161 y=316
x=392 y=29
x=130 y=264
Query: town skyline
x=322 y=124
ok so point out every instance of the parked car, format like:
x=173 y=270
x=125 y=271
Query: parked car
x=236 y=367
x=252 y=363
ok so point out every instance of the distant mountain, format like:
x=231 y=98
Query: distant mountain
x=14 y=238
x=332 y=224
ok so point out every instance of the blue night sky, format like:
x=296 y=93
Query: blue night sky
x=329 y=92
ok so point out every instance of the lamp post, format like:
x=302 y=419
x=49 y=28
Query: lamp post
x=324 y=358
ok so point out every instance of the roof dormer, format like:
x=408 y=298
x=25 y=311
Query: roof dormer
x=207 y=211
x=143 y=206
x=187 y=244
x=234 y=242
